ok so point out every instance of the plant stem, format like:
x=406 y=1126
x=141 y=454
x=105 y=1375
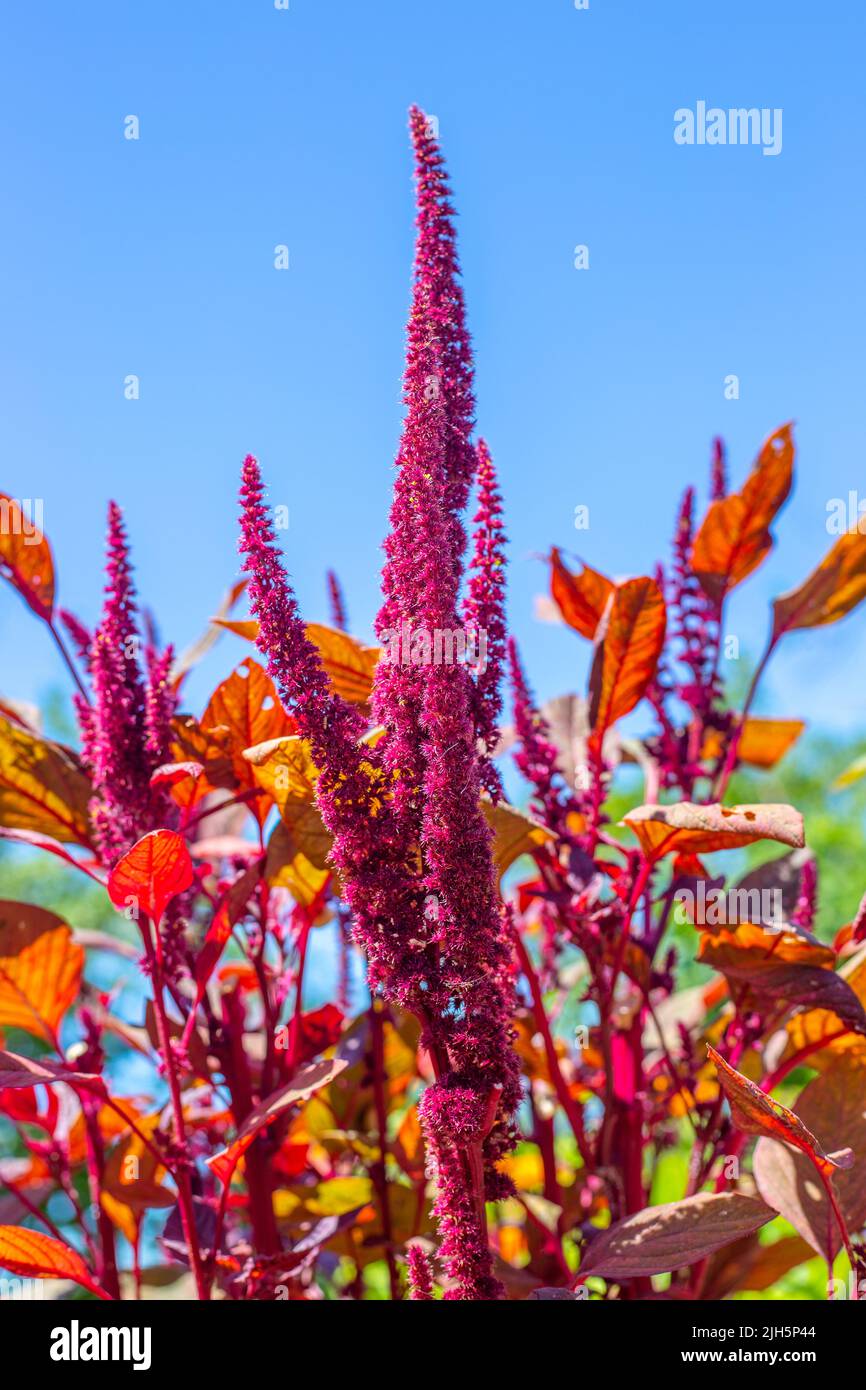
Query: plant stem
x=108 y=1275
x=730 y=762
x=181 y=1176
x=572 y=1111
x=378 y=1171
x=257 y=1167
x=82 y=690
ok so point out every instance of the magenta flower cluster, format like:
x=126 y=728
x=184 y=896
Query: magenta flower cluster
x=126 y=726
x=411 y=842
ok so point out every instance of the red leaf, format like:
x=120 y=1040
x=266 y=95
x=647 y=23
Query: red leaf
x=24 y=1071
x=305 y=1083
x=320 y=1029
x=153 y=872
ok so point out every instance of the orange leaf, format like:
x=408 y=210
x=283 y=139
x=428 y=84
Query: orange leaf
x=763 y=742
x=734 y=536
x=183 y=781
x=25 y=558
x=211 y=749
x=687 y=827
x=581 y=598
x=35 y=1256
x=831 y=591
x=348 y=663
x=628 y=645
x=42 y=787
x=248 y=628
x=40 y=969
x=748 y=949
x=247 y=704
x=154 y=871
x=132 y=1179
x=753 y=1112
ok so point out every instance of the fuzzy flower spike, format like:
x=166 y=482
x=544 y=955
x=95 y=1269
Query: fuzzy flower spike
x=126 y=730
x=410 y=839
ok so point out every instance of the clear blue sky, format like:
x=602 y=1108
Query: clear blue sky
x=603 y=388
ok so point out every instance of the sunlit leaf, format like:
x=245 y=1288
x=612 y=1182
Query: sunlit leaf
x=696 y=829
x=629 y=642
x=763 y=742
x=514 y=833
x=754 y=1112
x=853 y=772
x=36 y=1256
x=42 y=787
x=831 y=591
x=152 y=873
x=734 y=536
x=667 y=1237
x=40 y=969
x=247 y=704
x=25 y=557
x=348 y=663
x=581 y=598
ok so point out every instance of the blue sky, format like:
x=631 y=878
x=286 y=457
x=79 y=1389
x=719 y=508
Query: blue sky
x=601 y=387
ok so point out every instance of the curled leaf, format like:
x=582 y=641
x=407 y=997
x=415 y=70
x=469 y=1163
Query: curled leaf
x=734 y=536
x=833 y=1103
x=754 y=1112
x=581 y=598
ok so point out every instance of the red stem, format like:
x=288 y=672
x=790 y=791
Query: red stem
x=181 y=1176
x=107 y=1271
x=377 y=1170
x=571 y=1109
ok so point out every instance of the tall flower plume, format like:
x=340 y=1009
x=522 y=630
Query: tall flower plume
x=410 y=839
x=126 y=728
